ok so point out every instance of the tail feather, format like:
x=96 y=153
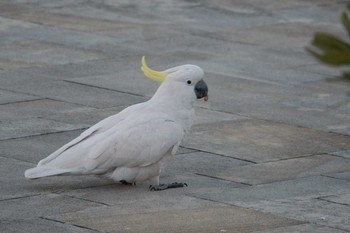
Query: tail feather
x=43 y=171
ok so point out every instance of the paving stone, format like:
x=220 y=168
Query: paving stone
x=286 y=36
x=345 y=154
x=204 y=115
x=95 y=43
x=314 y=211
x=342 y=175
x=125 y=196
x=37 y=52
x=203 y=163
x=39 y=225
x=41 y=205
x=321 y=13
x=319 y=105
x=213 y=219
x=130 y=81
x=34 y=148
x=14 y=185
x=67 y=71
x=302 y=228
x=19 y=128
x=282 y=170
x=261 y=141
x=9 y=65
x=265 y=194
x=343 y=199
x=42 y=16
x=76 y=93
x=84 y=116
x=7 y=97
x=39 y=108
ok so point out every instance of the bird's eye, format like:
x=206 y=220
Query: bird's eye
x=189 y=82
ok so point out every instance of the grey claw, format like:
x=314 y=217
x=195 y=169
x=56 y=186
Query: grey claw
x=167 y=186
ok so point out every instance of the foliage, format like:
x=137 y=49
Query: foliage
x=330 y=49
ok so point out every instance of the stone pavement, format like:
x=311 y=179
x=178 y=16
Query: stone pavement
x=270 y=151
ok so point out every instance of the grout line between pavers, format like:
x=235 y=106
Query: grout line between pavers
x=62 y=222
x=22 y=101
x=15 y=159
x=88 y=200
x=226 y=156
x=104 y=88
x=218 y=178
x=332 y=202
x=42 y=134
x=329 y=176
x=20 y=197
x=278 y=122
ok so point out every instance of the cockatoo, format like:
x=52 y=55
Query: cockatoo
x=134 y=145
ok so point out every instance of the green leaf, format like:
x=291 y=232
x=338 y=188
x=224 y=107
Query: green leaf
x=334 y=58
x=346 y=75
x=328 y=42
x=345 y=21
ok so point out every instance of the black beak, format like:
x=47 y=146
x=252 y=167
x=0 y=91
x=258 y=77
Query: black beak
x=201 y=90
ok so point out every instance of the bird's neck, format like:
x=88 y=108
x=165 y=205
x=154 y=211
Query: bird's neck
x=169 y=101
x=169 y=96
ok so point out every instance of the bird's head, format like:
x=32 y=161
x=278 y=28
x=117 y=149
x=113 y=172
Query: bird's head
x=186 y=80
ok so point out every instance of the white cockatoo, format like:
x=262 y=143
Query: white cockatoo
x=134 y=145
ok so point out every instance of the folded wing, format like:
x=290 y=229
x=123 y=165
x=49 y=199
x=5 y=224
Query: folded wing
x=137 y=141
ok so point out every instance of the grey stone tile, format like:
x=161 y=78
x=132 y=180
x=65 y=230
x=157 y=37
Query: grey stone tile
x=183 y=150
x=345 y=153
x=203 y=163
x=25 y=127
x=14 y=185
x=322 y=13
x=342 y=176
x=39 y=225
x=343 y=199
x=320 y=104
x=38 y=108
x=75 y=93
x=285 y=36
x=130 y=81
x=314 y=211
x=283 y=170
x=9 y=65
x=7 y=97
x=41 y=205
x=137 y=199
x=33 y=149
x=84 y=116
x=204 y=115
x=68 y=21
x=278 y=192
x=126 y=196
x=262 y=141
x=214 y=219
x=92 y=43
x=40 y=53
x=302 y=228
x=67 y=71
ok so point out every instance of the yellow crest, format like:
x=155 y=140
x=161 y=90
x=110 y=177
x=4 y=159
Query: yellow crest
x=152 y=74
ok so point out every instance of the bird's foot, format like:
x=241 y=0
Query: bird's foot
x=124 y=182
x=161 y=187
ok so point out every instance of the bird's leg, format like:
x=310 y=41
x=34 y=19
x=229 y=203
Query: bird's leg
x=161 y=187
x=124 y=182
